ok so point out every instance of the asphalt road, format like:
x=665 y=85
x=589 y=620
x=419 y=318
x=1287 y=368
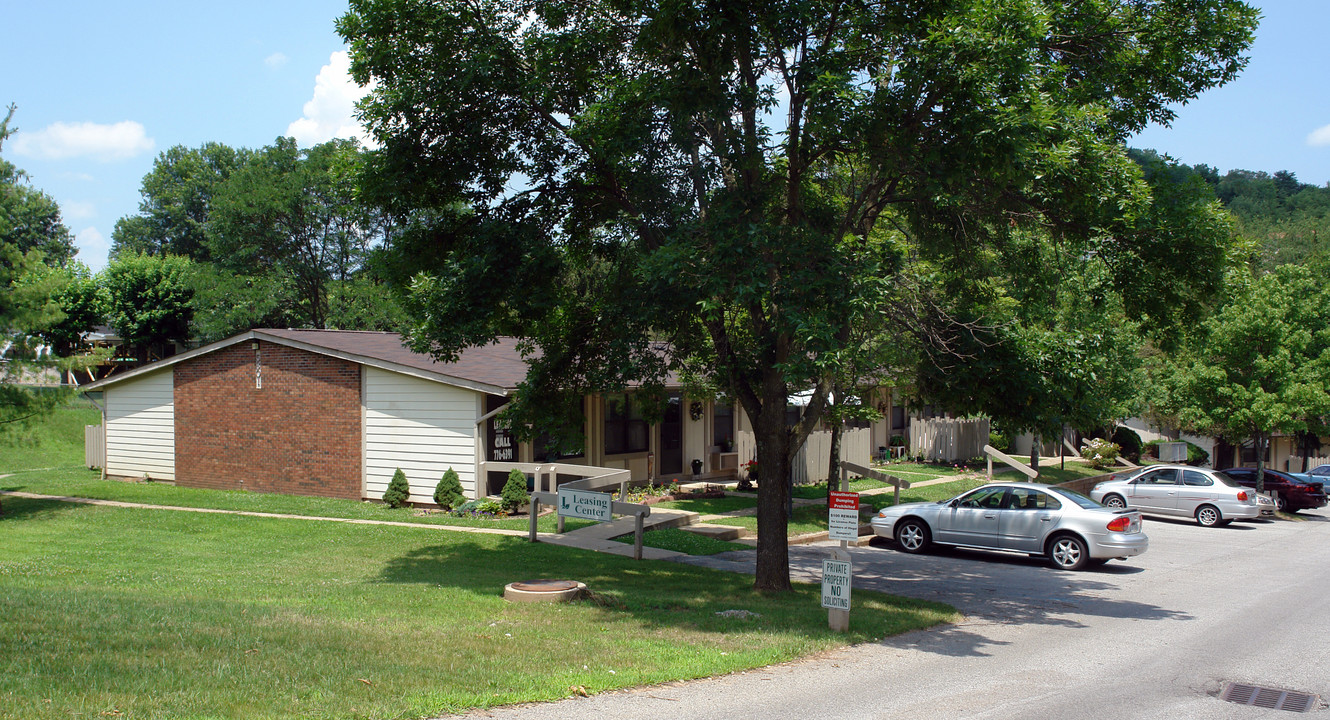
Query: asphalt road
x=1156 y=636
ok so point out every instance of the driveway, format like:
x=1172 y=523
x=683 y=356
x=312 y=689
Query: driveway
x=1152 y=637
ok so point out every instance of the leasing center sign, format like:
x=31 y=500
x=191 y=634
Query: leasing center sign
x=586 y=505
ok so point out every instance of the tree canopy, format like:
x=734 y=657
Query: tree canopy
x=751 y=181
x=1262 y=363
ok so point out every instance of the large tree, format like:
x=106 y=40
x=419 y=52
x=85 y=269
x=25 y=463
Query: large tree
x=289 y=222
x=177 y=199
x=1262 y=364
x=149 y=301
x=743 y=179
x=29 y=229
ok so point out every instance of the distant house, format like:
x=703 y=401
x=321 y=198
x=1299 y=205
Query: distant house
x=334 y=413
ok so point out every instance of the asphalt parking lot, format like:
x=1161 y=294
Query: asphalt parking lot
x=1156 y=636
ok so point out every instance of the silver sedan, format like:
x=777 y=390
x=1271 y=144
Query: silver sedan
x=1071 y=530
x=1210 y=496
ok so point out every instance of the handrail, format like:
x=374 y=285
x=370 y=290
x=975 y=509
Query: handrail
x=876 y=475
x=995 y=453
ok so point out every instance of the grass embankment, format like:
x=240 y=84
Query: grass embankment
x=53 y=465
x=159 y=614
x=149 y=613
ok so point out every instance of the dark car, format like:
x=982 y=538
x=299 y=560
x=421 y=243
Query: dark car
x=1291 y=494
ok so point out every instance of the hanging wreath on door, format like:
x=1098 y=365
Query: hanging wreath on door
x=695 y=410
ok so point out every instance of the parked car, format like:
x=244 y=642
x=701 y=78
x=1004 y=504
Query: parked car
x=1322 y=470
x=1068 y=528
x=1210 y=496
x=1291 y=494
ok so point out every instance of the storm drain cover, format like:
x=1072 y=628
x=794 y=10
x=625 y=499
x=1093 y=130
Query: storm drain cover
x=1269 y=698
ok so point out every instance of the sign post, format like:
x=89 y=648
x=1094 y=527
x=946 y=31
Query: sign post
x=836 y=574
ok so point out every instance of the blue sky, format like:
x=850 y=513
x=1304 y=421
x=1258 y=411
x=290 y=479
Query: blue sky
x=103 y=88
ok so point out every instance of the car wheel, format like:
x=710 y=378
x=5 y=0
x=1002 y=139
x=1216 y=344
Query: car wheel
x=1068 y=552
x=1115 y=501
x=912 y=535
x=1280 y=503
x=1208 y=516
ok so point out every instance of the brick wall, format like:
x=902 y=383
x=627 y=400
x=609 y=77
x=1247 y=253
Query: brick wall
x=298 y=434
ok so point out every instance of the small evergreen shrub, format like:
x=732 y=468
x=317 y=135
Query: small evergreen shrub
x=514 y=491
x=398 y=492
x=1101 y=453
x=1130 y=442
x=448 y=493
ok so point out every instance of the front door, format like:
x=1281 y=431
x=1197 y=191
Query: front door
x=974 y=519
x=671 y=438
x=1155 y=490
x=1030 y=515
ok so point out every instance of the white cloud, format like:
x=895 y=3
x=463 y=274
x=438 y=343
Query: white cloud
x=73 y=210
x=1319 y=137
x=331 y=112
x=276 y=60
x=107 y=143
x=93 y=248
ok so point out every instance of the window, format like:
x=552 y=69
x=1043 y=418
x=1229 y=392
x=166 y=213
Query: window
x=722 y=432
x=1247 y=453
x=1025 y=499
x=625 y=428
x=984 y=498
x=1197 y=479
x=1161 y=477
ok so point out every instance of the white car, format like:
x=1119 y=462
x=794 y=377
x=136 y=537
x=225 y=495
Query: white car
x=1210 y=496
x=1071 y=530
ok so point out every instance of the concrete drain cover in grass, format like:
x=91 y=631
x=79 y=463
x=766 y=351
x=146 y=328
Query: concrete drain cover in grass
x=1269 y=698
x=544 y=590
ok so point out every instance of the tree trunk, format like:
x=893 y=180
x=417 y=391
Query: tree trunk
x=773 y=469
x=1035 y=443
x=1260 y=442
x=833 y=467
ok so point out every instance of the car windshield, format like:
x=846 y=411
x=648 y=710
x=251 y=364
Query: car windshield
x=1075 y=497
x=1223 y=478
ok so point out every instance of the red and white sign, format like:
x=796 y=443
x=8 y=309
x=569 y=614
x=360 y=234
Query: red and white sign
x=843 y=516
x=844 y=500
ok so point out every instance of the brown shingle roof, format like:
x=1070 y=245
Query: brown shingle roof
x=498 y=364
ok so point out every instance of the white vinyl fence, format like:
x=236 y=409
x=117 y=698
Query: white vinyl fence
x=948 y=439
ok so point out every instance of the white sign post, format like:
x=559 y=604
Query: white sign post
x=836 y=573
x=586 y=505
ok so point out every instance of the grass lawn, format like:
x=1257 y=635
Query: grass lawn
x=50 y=462
x=684 y=542
x=143 y=613
x=157 y=614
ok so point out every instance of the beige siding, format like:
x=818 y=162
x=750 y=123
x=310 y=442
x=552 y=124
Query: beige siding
x=420 y=426
x=140 y=427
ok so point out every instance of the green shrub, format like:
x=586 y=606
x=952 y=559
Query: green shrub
x=483 y=506
x=999 y=440
x=1130 y=442
x=1101 y=453
x=398 y=492
x=514 y=491
x=448 y=493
